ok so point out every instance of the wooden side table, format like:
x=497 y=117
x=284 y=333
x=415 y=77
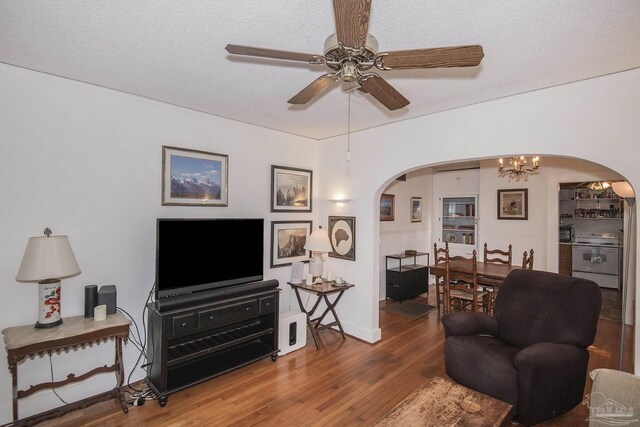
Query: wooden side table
x=75 y=332
x=322 y=291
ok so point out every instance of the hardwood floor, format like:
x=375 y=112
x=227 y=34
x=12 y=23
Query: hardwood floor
x=346 y=383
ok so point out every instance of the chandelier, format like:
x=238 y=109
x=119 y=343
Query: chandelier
x=518 y=168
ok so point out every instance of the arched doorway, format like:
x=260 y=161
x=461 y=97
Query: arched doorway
x=479 y=178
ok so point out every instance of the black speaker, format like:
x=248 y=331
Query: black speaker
x=107 y=296
x=90 y=299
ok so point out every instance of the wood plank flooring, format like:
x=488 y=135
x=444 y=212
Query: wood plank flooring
x=347 y=383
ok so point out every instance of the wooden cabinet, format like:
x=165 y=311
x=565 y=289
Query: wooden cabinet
x=192 y=344
x=406 y=281
x=565 y=265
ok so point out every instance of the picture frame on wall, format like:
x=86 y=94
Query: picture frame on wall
x=513 y=204
x=194 y=178
x=387 y=207
x=291 y=189
x=287 y=242
x=416 y=209
x=342 y=235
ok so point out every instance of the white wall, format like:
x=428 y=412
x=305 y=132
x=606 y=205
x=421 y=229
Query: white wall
x=596 y=120
x=401 y=234
x=86 y=162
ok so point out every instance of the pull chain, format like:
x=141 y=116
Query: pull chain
x=349 y=128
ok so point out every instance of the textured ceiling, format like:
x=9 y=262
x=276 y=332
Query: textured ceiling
x=174 y=52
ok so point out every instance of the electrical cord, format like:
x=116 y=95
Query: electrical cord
x=138 y=398
x=138 y=342
x=52 y=388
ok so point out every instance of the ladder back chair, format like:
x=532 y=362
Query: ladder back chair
x=462 y=285
x=498 y=256
x=527 y=260
x=440 y=255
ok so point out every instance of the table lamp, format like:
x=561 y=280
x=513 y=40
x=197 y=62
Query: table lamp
x=318 y=243
x=46 y=260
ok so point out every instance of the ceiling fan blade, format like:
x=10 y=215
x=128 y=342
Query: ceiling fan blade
x=275 y=54
x=378 y=87
x=454 y=56
x=352 y=21
x=316 y=87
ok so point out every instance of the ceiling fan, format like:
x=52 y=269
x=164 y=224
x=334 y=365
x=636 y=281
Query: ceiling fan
x=352 y=51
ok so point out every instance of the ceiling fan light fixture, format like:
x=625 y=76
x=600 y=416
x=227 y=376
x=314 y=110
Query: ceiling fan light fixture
x=598 y=185
x=349 y=71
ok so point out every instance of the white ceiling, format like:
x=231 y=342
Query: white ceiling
x=173 y=51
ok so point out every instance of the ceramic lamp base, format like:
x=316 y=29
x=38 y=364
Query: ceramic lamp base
x=48 y=304
x=316 y=265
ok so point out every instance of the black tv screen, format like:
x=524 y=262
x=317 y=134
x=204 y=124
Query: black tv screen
x=194 y=255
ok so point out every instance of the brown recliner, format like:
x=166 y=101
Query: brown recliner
x=533 y=354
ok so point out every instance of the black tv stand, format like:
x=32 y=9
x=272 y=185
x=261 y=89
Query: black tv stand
x=172 y=303
x=188 y=344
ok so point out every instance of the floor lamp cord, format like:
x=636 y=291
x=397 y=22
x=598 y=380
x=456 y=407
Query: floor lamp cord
x=631 y=202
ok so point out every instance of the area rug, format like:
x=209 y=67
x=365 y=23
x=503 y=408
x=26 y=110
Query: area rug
x=409 y=308
x=443 y=403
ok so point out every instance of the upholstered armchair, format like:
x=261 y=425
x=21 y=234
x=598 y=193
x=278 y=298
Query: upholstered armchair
x=533 y=354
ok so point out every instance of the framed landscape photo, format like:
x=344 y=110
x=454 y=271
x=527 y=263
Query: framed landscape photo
x=416 y=209
x=342 y=235
x=194 y=178
x=287 y=242
x=290 y=189
x=513 y=204
x=387 y=207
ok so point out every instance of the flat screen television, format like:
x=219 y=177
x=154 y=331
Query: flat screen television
x=194 y=255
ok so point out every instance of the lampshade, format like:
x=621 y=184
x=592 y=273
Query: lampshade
x=318 y=241
x=47 y=257
x=623 y=189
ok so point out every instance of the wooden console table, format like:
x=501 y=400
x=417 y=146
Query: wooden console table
x=23 y=342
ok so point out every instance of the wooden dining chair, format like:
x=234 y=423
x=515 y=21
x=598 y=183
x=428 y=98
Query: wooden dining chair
x=461 y=286
x=498 y=256
x=440 y=255
x=527 y=260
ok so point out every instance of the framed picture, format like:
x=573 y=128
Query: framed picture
x=513 y=204
x=416 y=209
x=193 y=178
x=290 y=189
x=387 y=207
x=287 y=242
x=342 y=235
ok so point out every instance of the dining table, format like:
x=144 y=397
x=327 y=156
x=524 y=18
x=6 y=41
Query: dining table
x=487 y=275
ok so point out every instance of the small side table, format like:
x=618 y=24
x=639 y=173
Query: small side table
x=407 y=281
x=322 y=291
x=22 y=342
